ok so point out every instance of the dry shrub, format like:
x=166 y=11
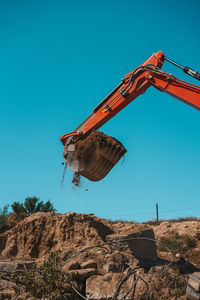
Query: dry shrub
x=48 y=281
x=156 y=223
x=166 y=283
x=177 y=243
x=121 y=221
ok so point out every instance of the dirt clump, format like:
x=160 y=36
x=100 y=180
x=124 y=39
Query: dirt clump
x=63 y=175
x=76 y=180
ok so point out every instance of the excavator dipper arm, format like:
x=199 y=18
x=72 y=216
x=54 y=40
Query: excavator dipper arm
x=179 y=89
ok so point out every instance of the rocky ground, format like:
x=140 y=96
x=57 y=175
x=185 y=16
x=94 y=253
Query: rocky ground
x=110 y=260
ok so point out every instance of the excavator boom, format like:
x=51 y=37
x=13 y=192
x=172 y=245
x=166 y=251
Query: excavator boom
x=120 y=97
x=96 y=158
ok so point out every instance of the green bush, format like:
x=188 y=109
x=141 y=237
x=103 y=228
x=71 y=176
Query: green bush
x=20 y=211
x=32 y=205
x=4 y=224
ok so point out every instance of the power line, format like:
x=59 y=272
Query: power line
x=108 y=215
x=125 y=209
x=181 y=209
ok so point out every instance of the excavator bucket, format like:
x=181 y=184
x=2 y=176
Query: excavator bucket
x=93 y=156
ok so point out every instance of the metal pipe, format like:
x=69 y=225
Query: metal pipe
x=174 y=63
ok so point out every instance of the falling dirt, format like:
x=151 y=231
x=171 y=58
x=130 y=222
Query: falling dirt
x=76 y=180
x=63 y=175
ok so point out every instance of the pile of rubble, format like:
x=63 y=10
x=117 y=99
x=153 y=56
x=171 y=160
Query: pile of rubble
x=112 y=261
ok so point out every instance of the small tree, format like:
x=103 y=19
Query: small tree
x=4 y=219
x=18 y=208
x=30 y=206
x=20 y=211
x=18 y=214
x=33 y=205
x=48 y=206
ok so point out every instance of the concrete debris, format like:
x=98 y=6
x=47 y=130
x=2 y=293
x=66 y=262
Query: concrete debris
x=75 y=265
x=11 y=267
x=193 y=287
x=104 y=287
x=139 y=243
x=89 y=264
x=101 y=253
x=83 y=274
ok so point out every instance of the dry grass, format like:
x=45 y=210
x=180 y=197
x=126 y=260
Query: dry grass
x=154 y=222
x=186 y=219
x=167 y=284
x=177 y=243
x=121 y=221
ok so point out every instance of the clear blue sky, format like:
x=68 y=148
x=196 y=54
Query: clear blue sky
x=58 y=59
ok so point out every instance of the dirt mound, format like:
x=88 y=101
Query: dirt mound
x=43 y=233
x=101 y=267
x=186 y=227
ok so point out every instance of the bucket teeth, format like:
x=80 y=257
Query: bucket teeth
x=94 y=156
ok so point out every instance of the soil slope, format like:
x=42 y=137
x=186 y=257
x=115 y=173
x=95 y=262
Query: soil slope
x=42 y=233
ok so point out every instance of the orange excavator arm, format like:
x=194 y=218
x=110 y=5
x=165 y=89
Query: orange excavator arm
x=134 y=84
x=93 y=154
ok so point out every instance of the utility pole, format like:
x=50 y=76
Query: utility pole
x=157 y=212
